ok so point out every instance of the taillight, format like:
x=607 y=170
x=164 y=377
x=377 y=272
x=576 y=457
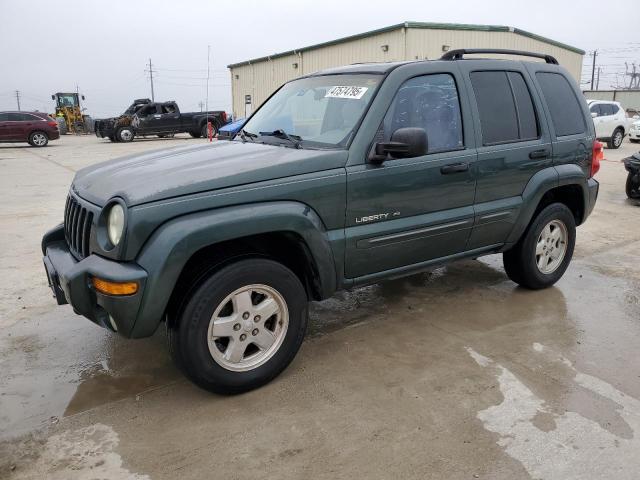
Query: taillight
x=224 y=117
x=52 y=124
x=597 y=157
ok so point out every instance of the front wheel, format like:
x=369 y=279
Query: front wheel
x=616 y=139
x=542 y=255
x=125 y=134
x=38 y=139
x=240 y=327
x=632 y=186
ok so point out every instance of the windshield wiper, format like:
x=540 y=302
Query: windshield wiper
x=244 y=135
x=280 y=133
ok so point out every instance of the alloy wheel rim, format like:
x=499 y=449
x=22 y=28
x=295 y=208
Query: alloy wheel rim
x=617 y=140
x=39 y=139
x=125 y=135
x=247 y=328
x=551 y=246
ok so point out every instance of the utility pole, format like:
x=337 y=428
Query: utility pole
x=593 y=67
x=208 y=76
x=18 y=98
x=598 y=79
x=153 y=99
x=201 y=105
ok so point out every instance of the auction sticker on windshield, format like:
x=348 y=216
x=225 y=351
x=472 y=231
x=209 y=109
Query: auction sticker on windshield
x=341 y=91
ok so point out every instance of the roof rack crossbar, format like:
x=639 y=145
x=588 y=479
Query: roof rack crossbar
x=459 y=54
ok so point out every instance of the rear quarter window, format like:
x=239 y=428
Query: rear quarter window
x=566 y=114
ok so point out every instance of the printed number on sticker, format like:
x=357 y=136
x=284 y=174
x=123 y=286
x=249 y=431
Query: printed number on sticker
x=346 y=92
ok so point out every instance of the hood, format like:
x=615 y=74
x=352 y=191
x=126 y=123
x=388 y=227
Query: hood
x=181 y=171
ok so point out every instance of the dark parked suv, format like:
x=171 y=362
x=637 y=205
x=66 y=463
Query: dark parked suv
x=342 y=178
x=37 y=128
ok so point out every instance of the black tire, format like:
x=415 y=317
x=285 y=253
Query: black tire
x=204 y=133
x=187 y=336
x=520 y=261
x=195 y=134
x=38 y=139
x=125 y=134
x=616 y=139
x=634 y=140
x=632 y=186
x=62 y=125
x=113 y=138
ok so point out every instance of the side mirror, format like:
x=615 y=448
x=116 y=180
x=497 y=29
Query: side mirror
x=83 y=97
x=405 y=143
x=594 y=114
x=53 y=97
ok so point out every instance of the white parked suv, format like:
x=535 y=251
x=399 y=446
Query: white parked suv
x=610 y=120
x=634 y=130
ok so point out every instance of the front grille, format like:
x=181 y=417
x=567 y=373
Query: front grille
x=77 y=227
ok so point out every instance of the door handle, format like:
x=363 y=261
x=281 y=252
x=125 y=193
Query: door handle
x=539 y=154
x=454 y=168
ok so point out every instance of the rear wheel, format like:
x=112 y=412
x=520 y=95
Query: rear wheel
x=38 y=139
x=542 y=255
x=125 y=134
x=195 y=134
x=632 y=186
x=240 y=327
x=616 y=139
x=204 y=133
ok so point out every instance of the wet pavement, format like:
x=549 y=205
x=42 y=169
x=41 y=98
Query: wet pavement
x=453 y=373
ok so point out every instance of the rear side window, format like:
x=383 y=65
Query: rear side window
x=4 y=117
x=430 y=102
x=607 y=109
x=506 y=110
x=168 y=108
x=566 y=114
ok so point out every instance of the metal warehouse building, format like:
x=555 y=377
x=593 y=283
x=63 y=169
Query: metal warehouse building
x=252 y=81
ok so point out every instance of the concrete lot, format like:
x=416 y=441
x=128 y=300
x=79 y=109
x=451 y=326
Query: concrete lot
x=455 y=373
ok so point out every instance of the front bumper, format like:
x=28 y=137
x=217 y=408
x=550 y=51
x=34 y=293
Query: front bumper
x=634 y=134
x=104 y=129
x=70 y=281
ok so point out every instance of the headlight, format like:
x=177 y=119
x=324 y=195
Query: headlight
x=115 y=224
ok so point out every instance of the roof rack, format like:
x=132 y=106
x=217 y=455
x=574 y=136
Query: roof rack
x=459 y=54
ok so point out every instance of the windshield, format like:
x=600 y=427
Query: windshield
x=318 y=111
x=67 y=100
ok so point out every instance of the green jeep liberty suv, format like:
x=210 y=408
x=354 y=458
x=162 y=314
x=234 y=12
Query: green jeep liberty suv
x=341 y=178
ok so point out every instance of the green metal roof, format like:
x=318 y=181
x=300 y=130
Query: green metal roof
x=425 y=25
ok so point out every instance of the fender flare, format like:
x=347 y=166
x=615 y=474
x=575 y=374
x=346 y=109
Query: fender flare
x=167 y=251
x=541 y=183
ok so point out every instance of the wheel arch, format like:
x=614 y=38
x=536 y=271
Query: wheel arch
x=174 y=256
x=566 y=184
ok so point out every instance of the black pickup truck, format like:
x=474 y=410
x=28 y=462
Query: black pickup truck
x=144 y=118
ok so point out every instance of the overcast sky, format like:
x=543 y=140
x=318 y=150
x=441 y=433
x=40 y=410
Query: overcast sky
x=103 y=46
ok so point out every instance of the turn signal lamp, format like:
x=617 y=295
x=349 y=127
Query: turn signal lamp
x=114 y=288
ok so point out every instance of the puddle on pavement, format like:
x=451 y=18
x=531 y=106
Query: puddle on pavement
x=59 y=364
